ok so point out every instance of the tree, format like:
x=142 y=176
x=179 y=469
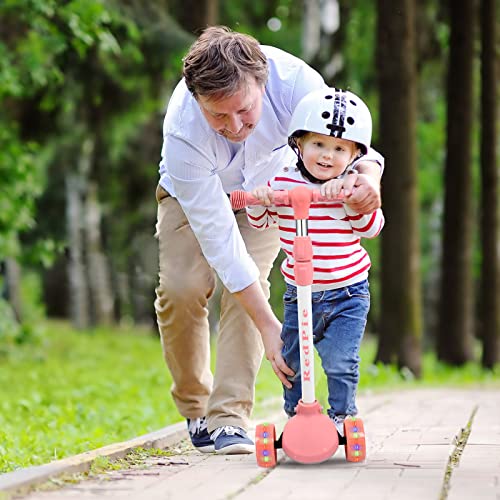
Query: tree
x=74 y=73
x=454 y=336
x=195 y=15
x=489 y=293
x=322 y=36
x=400 y=323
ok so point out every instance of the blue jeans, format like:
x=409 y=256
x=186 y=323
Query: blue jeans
x=339 y=321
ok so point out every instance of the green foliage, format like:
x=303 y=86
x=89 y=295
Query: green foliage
x=278 y=286
x=69 y=69
x=359 y=71
x=37 y=39
x=13 y=334
x=10 y=330
x=63 y=65
x=431 y=138
x=32 y=300
x=253 y=17
x=20 y=182
x=52 y=31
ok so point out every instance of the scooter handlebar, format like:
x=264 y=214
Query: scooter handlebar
x=240 y=199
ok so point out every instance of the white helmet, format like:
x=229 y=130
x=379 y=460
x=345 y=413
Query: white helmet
x=334 y=112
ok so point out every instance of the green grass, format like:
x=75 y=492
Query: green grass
x=79 y=391
x=71 y=392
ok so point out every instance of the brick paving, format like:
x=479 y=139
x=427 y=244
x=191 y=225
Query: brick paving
x=412 y=436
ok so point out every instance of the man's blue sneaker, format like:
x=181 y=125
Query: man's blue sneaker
x=231 y=440
x=199 y=435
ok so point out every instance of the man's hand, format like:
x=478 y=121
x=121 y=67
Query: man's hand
x=272 y=345
x=256 y=305
x=362 y=190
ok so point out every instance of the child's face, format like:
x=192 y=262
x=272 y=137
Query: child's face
x=326 y=157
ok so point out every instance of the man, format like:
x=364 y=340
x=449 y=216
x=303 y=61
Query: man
x=226 y=129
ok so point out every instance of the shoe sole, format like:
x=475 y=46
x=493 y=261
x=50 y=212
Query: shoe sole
x=205 y=449
x=236 y=449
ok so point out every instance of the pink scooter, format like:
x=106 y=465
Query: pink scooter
x=310 y=436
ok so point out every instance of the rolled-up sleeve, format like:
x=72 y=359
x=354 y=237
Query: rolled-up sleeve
x=201 y=195
x=371 y=155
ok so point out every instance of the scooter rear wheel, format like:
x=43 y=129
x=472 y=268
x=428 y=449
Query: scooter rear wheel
x=354 y=432
x=265 y=450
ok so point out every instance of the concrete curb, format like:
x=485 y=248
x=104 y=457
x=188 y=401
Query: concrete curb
x=14 y=482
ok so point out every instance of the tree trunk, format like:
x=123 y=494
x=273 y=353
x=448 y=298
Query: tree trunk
x=56 y=295
x=489 y=303
x=454 y=342
x=400 y=324
x=98 y=270
x=311 y=31
x=195 y=15
x=121 y=284
x=322 y=37
x=76 y=186
x=13 y=287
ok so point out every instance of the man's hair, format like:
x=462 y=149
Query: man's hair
x=220 y=61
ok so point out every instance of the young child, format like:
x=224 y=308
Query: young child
x=329 y=131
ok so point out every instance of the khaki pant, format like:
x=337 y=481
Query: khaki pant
x=186 y=284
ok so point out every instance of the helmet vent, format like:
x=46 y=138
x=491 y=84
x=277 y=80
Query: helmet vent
x=354 y=103
x=350 y=120
x=328 y=96
x=325 y=114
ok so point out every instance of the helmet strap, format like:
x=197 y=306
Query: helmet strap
x=305 y=173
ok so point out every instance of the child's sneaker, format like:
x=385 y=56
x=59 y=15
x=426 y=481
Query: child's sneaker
x=338 y=420
x=199 y=435
x=229 y=440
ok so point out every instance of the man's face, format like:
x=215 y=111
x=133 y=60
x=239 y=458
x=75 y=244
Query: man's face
x=236 y=116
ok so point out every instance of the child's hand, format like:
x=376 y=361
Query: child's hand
x=332 y=189
x=264 y=194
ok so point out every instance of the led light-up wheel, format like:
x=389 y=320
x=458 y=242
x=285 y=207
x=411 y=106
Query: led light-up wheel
x=354 y=432
x=265 y=437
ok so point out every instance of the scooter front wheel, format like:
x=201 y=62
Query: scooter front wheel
x=265 y=450
x=354 y=432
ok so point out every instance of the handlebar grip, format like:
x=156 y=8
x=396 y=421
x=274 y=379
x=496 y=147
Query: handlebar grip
x=240 y=199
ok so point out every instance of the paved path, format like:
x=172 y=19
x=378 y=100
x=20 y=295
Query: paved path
x=412 y=438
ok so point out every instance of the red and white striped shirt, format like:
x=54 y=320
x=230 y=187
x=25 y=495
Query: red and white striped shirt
x=335 y=230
